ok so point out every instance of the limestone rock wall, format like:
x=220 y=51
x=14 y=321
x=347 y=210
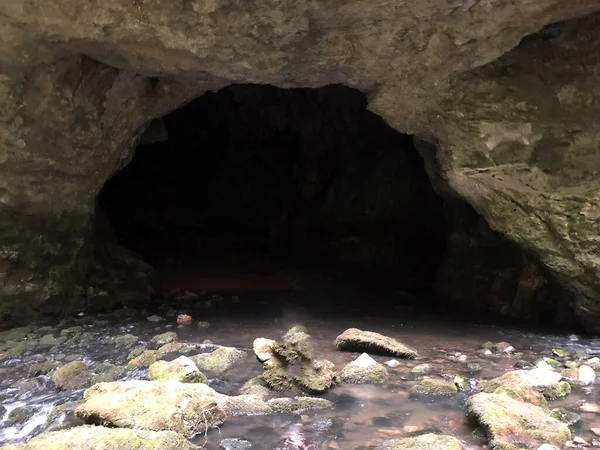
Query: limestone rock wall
x=78 y=81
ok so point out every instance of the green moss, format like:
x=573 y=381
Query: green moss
x=560 y=353
x=162 y=339
x=145 y=359
x=435 y=386
x=277 y=379
x=73 y=375
x=561 y=389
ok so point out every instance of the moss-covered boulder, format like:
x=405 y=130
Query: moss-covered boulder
x=181 y=369
x=364 y=369
x=545 y=381
x=187 y=408
x=74 y=375
x=355 y=340
x=428 y=441
x=161 y=339
x=219 y=360
x=94 y=438
x=106 y=372
x=513 y=425
x=435 y=386
x=19 y=415
x=298 y=405
x=316 y=377
x=144 y=359
x=123 y=340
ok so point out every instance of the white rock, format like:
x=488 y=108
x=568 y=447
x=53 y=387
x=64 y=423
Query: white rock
x=586 y=374
x=487 y=352
x=462 y=358
x=543 y=365
x=547 y=447
x=263 y=348
x=392 y=363
x=579 y=441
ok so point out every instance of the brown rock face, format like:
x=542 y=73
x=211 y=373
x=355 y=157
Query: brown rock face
x=515 y=138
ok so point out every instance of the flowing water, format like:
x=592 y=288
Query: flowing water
x=364 y=416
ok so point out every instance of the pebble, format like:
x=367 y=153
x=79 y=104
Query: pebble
x=392 y=363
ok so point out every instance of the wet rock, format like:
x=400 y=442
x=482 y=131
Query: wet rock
x=543 y=381
x=125 y=340
x=181 y=369
x=504 y=347
x=425 y=442
x=474 y=367
x=354 y=339
x=28 y=387
x=393 y=363
x=161 y=339
x=71 y=331
x=155 y=319
x=487 y=345
x=184 y=319
x=107 y=372
x=435 y=386
x=568 y=417
x=263 y=348
x=243 y=405
x=42 y=368
x=298 y=405
x=553 y=363
x=51 y=341
x=256 y=386
x=187 y=408
x=19 y=415
x=145 y=359
x=63 y=415
x=171 y=347
x=2 y=412
x=503 y=418
x=316 y=377
x=586 y=374
x=74 y=375
x=219 y=360
x=421 y=369
x=559 y=390
x=524 y=365
x=460 y=382
x=93 y=438
x=560 y=353
x=135 y=353
x=235 y=444
x=364 y=369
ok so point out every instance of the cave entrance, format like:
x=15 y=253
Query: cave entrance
x=258 y=180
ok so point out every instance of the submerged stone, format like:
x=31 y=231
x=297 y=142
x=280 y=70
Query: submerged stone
x=94 y=438
x=435 y=386
x=42 y=368
x=219 y=360
x=19 y=415
x=298 y=405
x=187 y=408
x=354 y=339
x=421 y=369
x=504 y=418
x=428 y=441
x=364 y=369
x=181 y=369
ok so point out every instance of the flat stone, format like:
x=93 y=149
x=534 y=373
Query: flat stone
x=503 y=418
x=186 y=408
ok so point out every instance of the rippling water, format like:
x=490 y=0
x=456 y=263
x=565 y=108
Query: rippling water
x=363 y=416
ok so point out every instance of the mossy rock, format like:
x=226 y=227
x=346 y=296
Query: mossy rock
x=107 y=372
x=161 y=339
x=568 y=417
x=171 y=347
x=255 y=386
x=421 y=369
x=435 y=386
x=503 y=418
x=220 y=360
x=74 y=375
x=145 y=359
x=298 y=405
x=187 y=408
x=93 y=438
x=523 y=394
x=559 y=390
x=428 y=441
x=181 y=369
x=124 y=340
x=356 y=340
x=19 y=415
x=560 y=352
x=71 y=331
x=50 y=341
x=42 y=368
x=363 y=370
x=316 y=377
x=243 y=405
x=276 y=378
x=541 y=380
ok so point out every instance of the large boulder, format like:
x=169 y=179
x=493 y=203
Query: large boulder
x=355 y=340
x=186 y=408
x=94 y=438
x=513 y=425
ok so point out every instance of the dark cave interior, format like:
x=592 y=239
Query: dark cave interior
x=258 y=180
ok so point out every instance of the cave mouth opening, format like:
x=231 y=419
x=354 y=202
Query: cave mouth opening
x=252 y=182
